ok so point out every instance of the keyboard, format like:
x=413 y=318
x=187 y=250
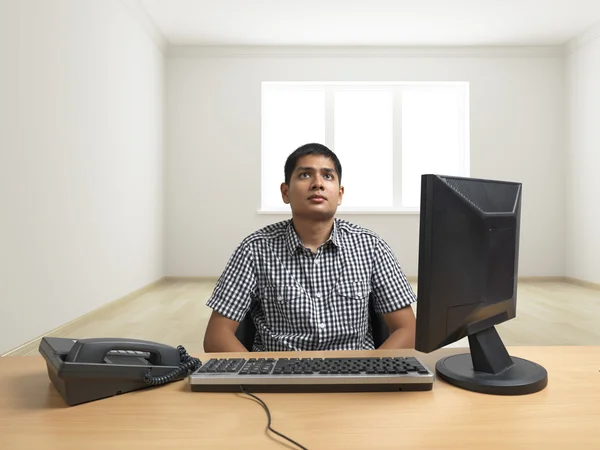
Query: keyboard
x=312 y=375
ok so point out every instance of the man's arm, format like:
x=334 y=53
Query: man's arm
x=220 y=335
x=402 y=325
x=230 y=298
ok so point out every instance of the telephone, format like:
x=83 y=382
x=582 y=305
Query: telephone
x=84 y=370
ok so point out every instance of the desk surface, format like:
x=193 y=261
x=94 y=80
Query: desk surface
x=564 y=415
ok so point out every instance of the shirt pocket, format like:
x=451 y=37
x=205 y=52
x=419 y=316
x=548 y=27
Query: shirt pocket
x=352 y=304
x=287 y=308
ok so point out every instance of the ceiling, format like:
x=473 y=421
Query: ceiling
x=371 y=22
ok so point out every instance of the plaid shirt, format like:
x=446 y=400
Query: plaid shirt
x=300 y=300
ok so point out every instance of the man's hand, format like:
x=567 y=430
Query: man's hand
x=220 y=335
x=402 y=325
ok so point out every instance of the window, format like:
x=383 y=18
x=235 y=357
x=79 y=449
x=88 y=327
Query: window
x=385 y=134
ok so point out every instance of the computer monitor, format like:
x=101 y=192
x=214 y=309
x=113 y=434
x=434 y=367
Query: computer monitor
x=467 y=284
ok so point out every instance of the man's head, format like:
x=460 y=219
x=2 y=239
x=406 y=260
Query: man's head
x=312 y=182
x=311 y=149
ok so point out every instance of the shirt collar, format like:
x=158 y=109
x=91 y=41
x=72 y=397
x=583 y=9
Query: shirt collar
x=293 y=240
x=335 y=237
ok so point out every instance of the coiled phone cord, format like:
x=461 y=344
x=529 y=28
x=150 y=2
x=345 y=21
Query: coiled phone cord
x=188 y=364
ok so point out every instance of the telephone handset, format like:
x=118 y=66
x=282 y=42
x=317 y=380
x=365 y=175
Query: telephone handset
x=95 y=350
x=89 y=369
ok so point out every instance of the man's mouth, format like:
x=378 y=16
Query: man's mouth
x=317 y=198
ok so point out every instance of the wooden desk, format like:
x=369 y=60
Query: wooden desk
x=564 y=415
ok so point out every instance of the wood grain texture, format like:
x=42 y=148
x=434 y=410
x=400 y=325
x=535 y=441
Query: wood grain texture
x=174 y=312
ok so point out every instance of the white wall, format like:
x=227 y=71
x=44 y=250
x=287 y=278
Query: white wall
x=213 y=136
x=583 y=177
x=81 y=162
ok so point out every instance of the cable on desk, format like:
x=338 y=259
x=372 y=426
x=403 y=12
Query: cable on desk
x=266 y=408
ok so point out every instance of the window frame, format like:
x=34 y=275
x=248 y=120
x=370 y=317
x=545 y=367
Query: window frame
x=396 y=87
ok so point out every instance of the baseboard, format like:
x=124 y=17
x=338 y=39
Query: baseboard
x=552 y=279
x=410 y=278
x=32 y=345
x=415 y=279
x=583 y=283
x=178 y=278
x=555 y=279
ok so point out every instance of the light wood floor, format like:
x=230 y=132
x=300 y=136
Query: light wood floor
x=175 y=313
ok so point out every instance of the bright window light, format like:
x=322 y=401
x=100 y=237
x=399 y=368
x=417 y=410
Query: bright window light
x=363 y=142
x=290 y=118
x=386 y=135
x=432 y=138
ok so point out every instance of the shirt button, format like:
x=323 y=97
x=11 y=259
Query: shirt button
x=322 y=325
x=316 y=262
x=318 y=294
x=279 y=297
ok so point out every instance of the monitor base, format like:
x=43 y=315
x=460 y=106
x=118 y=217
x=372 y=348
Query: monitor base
x=523 y=377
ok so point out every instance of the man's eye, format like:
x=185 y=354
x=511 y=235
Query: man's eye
x=328 y=176
x=304 y=175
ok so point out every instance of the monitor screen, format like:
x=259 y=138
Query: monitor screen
x=467 y=284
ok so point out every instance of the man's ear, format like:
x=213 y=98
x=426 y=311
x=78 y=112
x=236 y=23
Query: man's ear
x=284 y=193
x=340 y=196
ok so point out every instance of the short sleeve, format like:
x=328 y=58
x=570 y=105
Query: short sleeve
x=391 y=289
x=236 y=286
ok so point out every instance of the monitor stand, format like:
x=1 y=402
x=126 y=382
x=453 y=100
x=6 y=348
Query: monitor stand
x=489 y=369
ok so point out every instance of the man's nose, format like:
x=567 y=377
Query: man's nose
x=317 y=182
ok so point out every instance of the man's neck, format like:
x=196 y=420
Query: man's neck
x=313 y=233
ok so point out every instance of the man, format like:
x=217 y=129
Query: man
x=307 y=282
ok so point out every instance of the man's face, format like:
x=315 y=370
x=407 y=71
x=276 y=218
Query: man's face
x=314 y=191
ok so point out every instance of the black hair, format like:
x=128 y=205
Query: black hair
x=310 y=149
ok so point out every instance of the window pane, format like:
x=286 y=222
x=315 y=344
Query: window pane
x=291 y=117
x=426 y=123
x=363 y=142
x=432 y=137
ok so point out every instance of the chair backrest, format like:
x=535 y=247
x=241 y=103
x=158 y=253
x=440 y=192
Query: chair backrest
x=380 y=329
x=246 y=330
